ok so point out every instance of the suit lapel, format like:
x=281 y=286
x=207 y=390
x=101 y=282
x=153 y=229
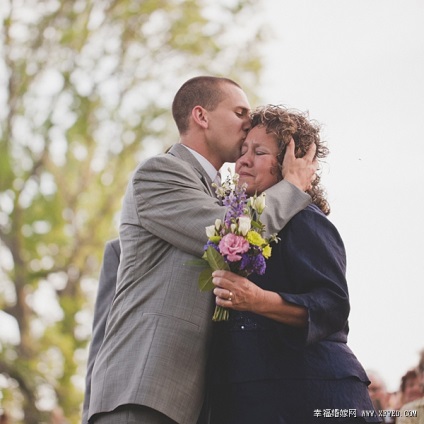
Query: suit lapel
x=181 y=152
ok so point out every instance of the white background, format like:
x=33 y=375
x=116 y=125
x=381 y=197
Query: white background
x=357 y=66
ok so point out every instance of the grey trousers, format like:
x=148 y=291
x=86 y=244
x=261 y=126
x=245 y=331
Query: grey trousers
x=132 y=414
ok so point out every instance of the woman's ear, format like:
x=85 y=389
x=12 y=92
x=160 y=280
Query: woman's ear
x=200 y=116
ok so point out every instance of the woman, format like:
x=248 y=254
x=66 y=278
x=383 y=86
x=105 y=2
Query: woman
x=282 y=356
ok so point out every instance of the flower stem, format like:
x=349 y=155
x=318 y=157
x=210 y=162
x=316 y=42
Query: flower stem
x=220 y=314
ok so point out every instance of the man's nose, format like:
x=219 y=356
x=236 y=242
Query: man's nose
x=246 y=124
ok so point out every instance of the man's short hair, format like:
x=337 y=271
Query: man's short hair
x=204 y=91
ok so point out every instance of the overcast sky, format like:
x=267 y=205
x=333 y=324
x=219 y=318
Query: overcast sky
x=358 y=68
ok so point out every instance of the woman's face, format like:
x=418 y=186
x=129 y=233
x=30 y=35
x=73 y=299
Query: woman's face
x=257 y=165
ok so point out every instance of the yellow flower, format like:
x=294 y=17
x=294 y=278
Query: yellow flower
x=266 y=251
x=254 y=238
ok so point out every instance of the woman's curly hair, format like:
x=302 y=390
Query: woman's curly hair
x=286 y=124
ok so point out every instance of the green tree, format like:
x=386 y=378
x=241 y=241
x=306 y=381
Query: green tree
x=85 y=93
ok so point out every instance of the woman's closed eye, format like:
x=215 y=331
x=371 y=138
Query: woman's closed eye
x=261 y=152
x=256 y=152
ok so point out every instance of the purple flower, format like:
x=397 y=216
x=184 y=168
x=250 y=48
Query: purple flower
x=253 y=263
x=211 y=244
x=236 y=202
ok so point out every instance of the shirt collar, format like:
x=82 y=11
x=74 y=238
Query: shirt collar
x=206 y=165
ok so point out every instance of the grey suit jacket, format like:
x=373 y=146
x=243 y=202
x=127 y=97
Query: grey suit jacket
x=105 y=295
x=158 y=331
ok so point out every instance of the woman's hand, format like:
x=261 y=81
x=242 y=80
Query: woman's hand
x=240 y=294
x=235 y=292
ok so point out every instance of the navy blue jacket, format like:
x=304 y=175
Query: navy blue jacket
x=307 y=267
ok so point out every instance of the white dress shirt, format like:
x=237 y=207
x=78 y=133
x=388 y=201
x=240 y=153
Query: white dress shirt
x=206 y=165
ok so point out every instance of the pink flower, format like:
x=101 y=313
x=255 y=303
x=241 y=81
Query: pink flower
x=233 y=246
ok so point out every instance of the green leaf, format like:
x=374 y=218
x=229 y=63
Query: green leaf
x=258 y=225
x=197 y=262
x=205 y=280
x=215 y=260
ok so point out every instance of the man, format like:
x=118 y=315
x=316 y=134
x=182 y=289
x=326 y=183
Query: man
x=151 y=365
x=105 y=294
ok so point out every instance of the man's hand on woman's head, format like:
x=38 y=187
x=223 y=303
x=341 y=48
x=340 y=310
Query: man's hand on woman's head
x=300 y=171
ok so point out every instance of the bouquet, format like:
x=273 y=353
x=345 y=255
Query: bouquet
x=236 y=244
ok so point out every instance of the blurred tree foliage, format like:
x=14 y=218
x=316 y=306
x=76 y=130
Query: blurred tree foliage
x=85 y=93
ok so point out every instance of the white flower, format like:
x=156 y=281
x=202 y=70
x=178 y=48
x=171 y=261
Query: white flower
x=258 y=203
x=233 y=228
x=210 y=231
x=218 y=224
x=244 y=224
x=219 y=190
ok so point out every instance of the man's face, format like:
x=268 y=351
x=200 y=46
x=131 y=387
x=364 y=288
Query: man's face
x=228 y=125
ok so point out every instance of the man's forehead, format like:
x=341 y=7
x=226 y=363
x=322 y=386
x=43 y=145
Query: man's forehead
x=238 y=96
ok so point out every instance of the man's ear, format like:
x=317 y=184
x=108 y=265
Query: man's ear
x=200 y=116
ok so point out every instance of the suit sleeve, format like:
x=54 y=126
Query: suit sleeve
x=173 y=204
x=283 y=201
x=104 y=299
x=315 y=255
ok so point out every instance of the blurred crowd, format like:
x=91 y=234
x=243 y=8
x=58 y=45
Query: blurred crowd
x=404 y=406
